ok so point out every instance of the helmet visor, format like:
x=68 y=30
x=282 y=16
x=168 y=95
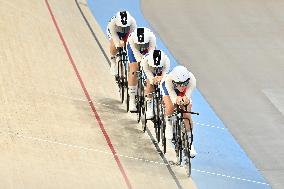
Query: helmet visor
x=123 y=29
x=158 y=71
x=142 y=47
x=182 y=84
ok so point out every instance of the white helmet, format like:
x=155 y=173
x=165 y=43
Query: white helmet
x=141 y=37
x=180 y=74
x=123 y=21
x=156 y=58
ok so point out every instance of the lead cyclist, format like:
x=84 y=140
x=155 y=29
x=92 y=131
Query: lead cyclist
x=177 y=88
x=118 y=30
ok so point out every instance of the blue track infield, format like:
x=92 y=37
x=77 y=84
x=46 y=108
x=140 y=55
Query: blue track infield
x=221 y=163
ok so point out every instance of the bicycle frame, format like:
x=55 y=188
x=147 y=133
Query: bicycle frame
x=182 y=145
x=140 y=98
x=122 y=78
x=157 y=106
x=180 y=120
x=157 y=100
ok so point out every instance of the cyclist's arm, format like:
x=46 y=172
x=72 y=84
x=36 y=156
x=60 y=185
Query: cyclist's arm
x=152 y=43
x=146 y=68
x=166 y=67
x=192 y=86
x=133 y=25
x=170 y=87
x=138 y=56
x=112 y=31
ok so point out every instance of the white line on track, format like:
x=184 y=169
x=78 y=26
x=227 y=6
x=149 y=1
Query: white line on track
x=208 y=125
x=232 y=177
x=75 y=99
x=78 y=99
x=125 y=156
x=97 y=102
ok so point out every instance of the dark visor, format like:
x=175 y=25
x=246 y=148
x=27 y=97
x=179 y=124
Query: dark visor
x=182 y=84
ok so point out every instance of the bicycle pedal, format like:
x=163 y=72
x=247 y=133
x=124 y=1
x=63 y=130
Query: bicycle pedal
x=186 y=161
x=150 y=119
x=192 y=157
x=172 y=163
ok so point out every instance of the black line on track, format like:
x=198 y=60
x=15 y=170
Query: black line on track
x=148 y=132
x=92 y=31
x=164 y=159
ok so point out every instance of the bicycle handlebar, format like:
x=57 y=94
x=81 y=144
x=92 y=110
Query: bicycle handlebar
x=196 y=113
x=121 y=51
x=179 y=109
x=149 y=94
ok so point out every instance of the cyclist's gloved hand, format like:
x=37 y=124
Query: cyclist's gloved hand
x=179 y=100
x=152 y=81
x=116 y=44
x=157 y=80
x=121 y=43
x=185 y=100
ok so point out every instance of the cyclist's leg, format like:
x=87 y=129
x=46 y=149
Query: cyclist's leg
x=113 y=51
x=149 y=88
x=188 y=121
x=169 y=110
x=149 y=99
x=189 y=126
x=132 y=78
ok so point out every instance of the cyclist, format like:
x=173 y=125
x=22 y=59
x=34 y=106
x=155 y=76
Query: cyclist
x=155 y=65
x=118 y=30
x=177 y=88
x=140 y=42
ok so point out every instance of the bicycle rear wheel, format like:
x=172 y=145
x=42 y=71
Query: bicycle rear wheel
x=138 y=110
x=158 y=134
x=187 y=159
x=187 y=146
x=125 y=84
x=163 y=127
x=157 y=130
x=121 y=89
x=144 y=122
x=140 y=99
x=179 y=152
x=157 y=119
x=188 y=165
x=127 y=102
x=178 y=143
x=124 y=78
x=117 y=77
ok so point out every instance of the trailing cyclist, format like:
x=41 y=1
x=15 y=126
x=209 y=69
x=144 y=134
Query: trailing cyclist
x=155 y=65
x=118 y=30
x=177 y=88
x=139 y=43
